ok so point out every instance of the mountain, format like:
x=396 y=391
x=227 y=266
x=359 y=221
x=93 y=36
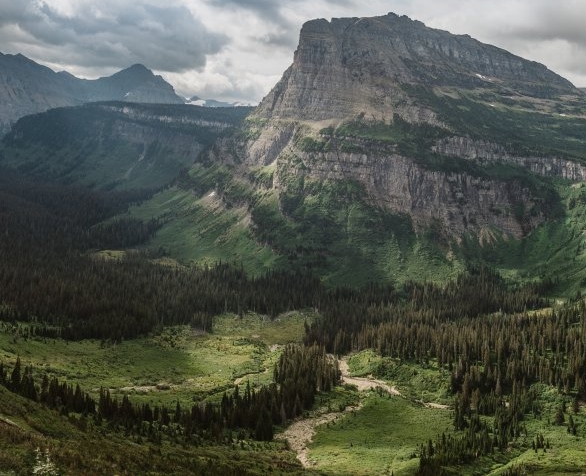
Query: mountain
x=114 y=145
x=389 y=150
x=405 y=89
x=27 y=87
x=134 y=84
x=362 y=65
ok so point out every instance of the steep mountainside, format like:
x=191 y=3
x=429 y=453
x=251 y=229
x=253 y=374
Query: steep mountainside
x=114 y=145
x=351 y=66
x=380 y=100
x=387 y=144
x=393 y=94
x=27 y=87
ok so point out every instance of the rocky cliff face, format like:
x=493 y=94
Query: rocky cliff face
x=485 y=152
x=459 y=201
x=367 y=68
x=28 y=88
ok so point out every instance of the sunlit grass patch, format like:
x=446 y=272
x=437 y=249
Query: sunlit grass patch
x=381 y=438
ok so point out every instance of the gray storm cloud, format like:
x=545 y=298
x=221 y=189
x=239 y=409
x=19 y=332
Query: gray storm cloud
x=113 y=34
x=558 y=28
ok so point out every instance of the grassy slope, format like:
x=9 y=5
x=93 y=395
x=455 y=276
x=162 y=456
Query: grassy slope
x=201 y=230
x=330 y=228
x=194 y=365
x=112 y=164
x=382 y=437
x=556 y=249
x=78 y=447
x=114 y=145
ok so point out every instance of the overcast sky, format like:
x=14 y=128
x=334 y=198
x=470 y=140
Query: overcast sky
x=236 y=50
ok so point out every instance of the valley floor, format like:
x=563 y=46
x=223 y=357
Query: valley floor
x=367 y=425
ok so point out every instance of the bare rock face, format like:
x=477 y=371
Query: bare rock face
x=488 y=152
x=353 y=65
x=366 y=68
x=458 y=200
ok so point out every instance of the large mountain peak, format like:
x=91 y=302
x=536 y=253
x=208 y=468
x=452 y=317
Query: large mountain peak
x=136 y=84
x=427 y=123
x=135 y=73
x=351 y=65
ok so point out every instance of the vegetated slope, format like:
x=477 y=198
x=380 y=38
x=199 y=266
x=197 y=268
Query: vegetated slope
x=35 y=439
x=386 y=144
x=114 y=145
x=27 y=88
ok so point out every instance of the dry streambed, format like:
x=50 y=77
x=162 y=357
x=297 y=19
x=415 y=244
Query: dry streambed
x=365 y=383
x=300 y=433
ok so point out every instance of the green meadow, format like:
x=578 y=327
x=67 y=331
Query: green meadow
x=179 y=364
x=382 y=438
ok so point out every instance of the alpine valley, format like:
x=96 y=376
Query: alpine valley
x=377 y=270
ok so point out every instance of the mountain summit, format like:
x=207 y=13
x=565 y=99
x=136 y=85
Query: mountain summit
x=353 y=65
x=134 y=84
x=27 y=87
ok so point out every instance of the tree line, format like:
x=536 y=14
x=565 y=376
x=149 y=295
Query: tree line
x=300 y=373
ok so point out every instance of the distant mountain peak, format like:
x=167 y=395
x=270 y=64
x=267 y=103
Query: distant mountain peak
x=27 y=87
x=138 y=66
x=135 y=73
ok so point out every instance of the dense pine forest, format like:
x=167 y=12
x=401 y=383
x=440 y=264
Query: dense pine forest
x=495 y=338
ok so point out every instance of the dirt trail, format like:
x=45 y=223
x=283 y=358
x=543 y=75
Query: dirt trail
x=368 y=383
x=437 y=406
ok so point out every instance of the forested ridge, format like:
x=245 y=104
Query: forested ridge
x=483 y=332
x=50 y=277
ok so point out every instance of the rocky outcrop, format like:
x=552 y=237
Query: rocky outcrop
x=485 y=152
